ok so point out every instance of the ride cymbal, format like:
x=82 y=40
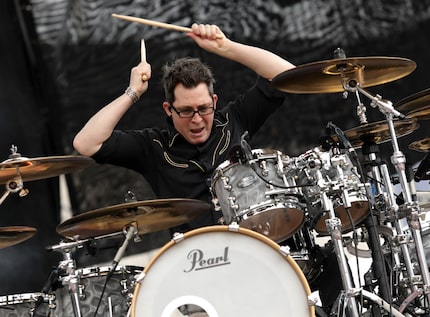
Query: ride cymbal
x=378 y=132
x=148 y=216
x=42 y=167
x=16 y=234
x=416 y=105
x=327 y=76
x=421 y=145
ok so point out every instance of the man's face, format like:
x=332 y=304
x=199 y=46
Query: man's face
x=195 y=130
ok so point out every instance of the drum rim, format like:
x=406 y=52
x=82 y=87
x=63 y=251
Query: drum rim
x=22 y=298
x=231 y=229
x=102 y=270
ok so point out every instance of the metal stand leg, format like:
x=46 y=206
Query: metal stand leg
x=71 y=280
x=334 y=228
x=407 y=217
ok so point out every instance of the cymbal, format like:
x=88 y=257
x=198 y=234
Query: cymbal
x=421 y=114
x=326 y=76
x=41 y=167
x=13 y=235
x=416 y=105
x=148 y=216
x=378 y=132
x=421 y=145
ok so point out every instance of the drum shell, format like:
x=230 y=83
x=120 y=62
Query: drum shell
x=255 y=195
x=24 y=304
x=117 y=295
x=339 y=171
x=302 y=250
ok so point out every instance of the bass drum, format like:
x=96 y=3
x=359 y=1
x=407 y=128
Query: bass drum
x=221 y=271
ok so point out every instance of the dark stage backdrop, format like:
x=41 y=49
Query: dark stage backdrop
x=82 y=59
x=25 y=123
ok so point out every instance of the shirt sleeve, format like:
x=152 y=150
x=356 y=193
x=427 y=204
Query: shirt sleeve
x=254 y=106
x=124 y=148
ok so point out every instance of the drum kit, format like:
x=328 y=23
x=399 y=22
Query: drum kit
x=273 y=206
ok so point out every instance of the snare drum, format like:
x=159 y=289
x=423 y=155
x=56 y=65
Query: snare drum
x=221 y=271
x=257 y=196
x=116 y=299
x=26 y=305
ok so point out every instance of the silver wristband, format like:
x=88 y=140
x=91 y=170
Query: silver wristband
x=132 y=94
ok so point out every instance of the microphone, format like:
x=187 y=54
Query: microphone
x=236 y=154
x=130 y=231
x=423 y=169
x=341 y=136
x=241 y=152
x=245 y=146
x=326 y=142
x=120 y=253
x=52 y=279
x=50 y=282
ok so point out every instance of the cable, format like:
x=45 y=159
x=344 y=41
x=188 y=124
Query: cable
x=130 y=231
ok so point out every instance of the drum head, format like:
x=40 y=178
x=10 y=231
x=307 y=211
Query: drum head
x=216 y=272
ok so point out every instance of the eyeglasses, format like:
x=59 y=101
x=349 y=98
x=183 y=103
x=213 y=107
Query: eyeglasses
x=189 y=113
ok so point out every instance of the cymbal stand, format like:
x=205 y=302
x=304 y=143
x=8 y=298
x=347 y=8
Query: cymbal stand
x=382 y=200
x=410 y=209
x=14 y=185
x=334 y=227
x=68 y=265
x=71 y=280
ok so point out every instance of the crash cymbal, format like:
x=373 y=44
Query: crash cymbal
x=42 y=167
x=148 y=216
x=326 y=76
x=415 y=101
x=416 y=105
x=378 y=132
x=421 y=114
x=421 y=145
x=13 y=235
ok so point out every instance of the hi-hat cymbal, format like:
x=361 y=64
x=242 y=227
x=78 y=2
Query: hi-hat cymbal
x=148 y=216
x=327 y=76
x=42 y=167
x=378 y=132
x=421 y=145
x=416 y=105
x=13 y=235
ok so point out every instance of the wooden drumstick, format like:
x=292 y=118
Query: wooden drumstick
x=157 y=24
x=143 y=56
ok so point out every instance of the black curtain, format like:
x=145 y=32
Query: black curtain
x=24 y=267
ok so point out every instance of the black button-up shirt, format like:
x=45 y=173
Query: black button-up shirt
x=178 y=169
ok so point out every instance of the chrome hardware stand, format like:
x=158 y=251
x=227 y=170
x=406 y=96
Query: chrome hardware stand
x=408 y=216
x=71 y=280
x=334 y=227
x=15 y=185
x=381 y=195
x=68 y=265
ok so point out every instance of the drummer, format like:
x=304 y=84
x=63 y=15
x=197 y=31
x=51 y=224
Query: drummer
x=178 y=162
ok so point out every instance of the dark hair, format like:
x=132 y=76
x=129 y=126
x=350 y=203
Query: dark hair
x=187 y=71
